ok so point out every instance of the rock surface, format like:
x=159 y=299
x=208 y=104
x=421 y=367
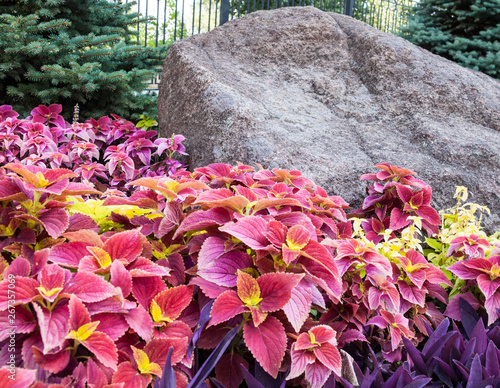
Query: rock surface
x=298 y=88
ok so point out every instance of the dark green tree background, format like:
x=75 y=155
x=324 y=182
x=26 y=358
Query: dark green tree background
x=464 y=31
x=75 y=51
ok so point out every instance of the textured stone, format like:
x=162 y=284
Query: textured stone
x=299 y=88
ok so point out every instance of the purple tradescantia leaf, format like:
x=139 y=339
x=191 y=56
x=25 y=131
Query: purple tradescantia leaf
x=204 y=318
x=168 y=379
x=476 y=373
x=212 y=360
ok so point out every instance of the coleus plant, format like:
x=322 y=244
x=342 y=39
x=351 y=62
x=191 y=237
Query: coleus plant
x=108 y=152
x=264 y=262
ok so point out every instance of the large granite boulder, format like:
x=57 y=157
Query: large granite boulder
x=298 y=88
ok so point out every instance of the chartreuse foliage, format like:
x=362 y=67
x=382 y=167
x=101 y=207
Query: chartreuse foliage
x=257 y=275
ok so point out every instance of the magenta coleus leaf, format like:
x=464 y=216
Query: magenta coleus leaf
x=140 y=321
x=250 y=230
x=103 y=347
x=78 y=313
x=24 y=378
x=145 y=289
x=54 y=325
x=89 y=287
x=52 y=362
x=124 y=246
x=267 y=343
x=120 y=277
x=113 y=325
x=399 y=219
x=55 y=221
x=225 y=307
x=142 y=267
x=52 y=279
x=222 y=270
x=298 y=307
x=172 y=218
x=168 y=305
x=128 y=375
x=202 y=219
x=69 y=254
x=24 y=321
x=276 y=289
x=157 y=349
x=25 y=290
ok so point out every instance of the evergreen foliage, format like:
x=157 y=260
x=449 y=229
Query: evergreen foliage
x=464 y=31
x=75 y=51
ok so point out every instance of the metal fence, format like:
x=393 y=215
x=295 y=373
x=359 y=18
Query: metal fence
x=171 y=20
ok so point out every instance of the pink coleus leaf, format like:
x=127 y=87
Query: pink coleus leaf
x=202 y=219
x=140 y=321
x=10 y=191
x=210 y=289
x=157 y=349
x=492 y=305
x=297 y=237
x=298 y=307
x=317 y=374
x=24 y=321
x=88 y=236
x=24 y=378
x=222 y=271
x=412 y=293
x=250 y=230
x=169 y=304
x=225 y=307
x=55 y=221
x=120 y=277
x=142 y=267
x=399 y=219
x=113 y=325
x=52 y=362
x=89 y=287
x=95 y=375
x=267 y=343
x=69 y=254
x=145 y=289
x=80 y=221
x=78 y=313
x=19 y=267
x=51 y=281
x=24 y=291
x=53 y=324
x=124 y=246
x=276 y=289
x=103 y=347
x=128 y=375
x=172 y=218
x=329 y=356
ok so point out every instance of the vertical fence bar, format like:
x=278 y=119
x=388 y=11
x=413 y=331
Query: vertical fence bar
x=209 y=13
x=157 y=21
x=224 y=12
x=182 y=19
x=194 y=11
x=199 y=19
x=175 y=21
x=146 y=26
x=348 y=7
x=164 y=21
